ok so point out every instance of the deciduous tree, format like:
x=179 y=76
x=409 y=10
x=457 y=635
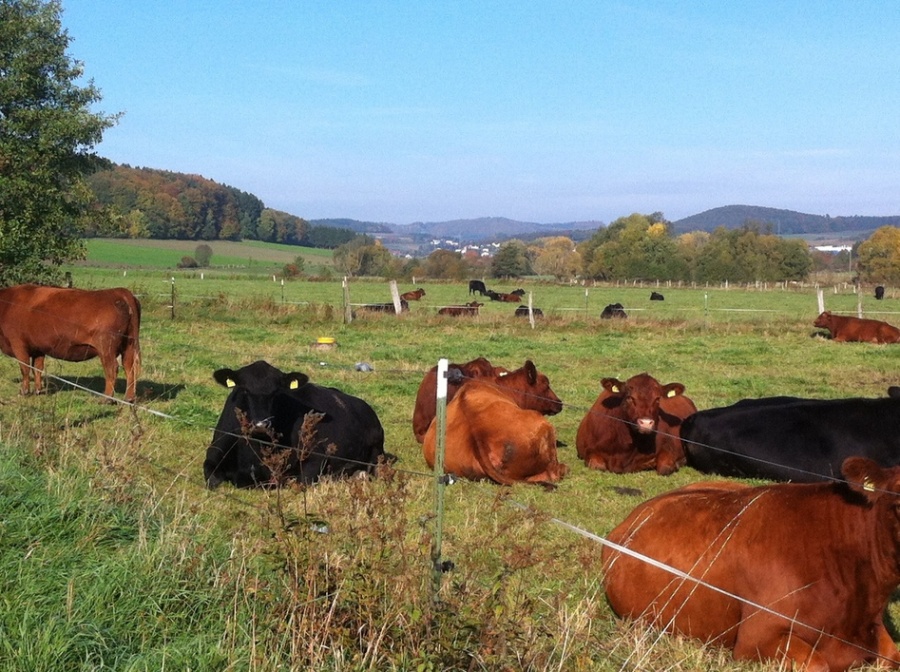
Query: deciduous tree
x=878 y=258
x=47 y=136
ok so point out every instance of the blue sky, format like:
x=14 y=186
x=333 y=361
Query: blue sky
x=538 y=111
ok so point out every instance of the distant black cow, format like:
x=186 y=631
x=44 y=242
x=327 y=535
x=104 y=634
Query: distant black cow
x=786 y=438
x=477 y=286
x=879 y=292
x=613 y=310
x=522 y=311
x=262 y=424
x=656 y=296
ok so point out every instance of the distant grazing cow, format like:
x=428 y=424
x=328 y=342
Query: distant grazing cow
x=879 y=292
x=457 y=375
x=522 y=311
x=634 y=426
x=656 y=296
x=786 y=438
x=383 y=307
x=613 y=310
x=468 y=310
x=801 y=575
x=845 y=329
x=477 y=286
x=492 y=434
x=280 y=419
x=74 y=325
x=413 y=296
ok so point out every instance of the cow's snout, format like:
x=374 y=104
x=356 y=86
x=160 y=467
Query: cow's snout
x=646 y=425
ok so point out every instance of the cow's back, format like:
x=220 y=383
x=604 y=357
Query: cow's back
x=746 y=542
x=804 y=440
x=489 y=436
x=349 y=423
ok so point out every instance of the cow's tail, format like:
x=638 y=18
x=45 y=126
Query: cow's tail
x=133 y=334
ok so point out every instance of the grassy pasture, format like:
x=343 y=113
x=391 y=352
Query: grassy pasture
x=246 y=258
x=337 y=576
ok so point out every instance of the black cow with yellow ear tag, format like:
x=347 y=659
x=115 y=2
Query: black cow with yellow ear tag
x=278 y=427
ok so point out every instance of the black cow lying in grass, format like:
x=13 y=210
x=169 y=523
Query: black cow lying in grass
x=613 y=310
x=278 y=427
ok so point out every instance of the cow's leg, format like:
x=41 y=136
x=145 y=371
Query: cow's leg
x=129 y=362
x=25 y=369
x=782 y=648
x=37 y=364
x=888 y=654
x=669 y=458
x=110 y=370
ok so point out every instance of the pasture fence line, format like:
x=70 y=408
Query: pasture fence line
x=447 y=478
x=441 y=479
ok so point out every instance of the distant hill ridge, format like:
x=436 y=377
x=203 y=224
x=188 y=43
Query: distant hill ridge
x=784 y=222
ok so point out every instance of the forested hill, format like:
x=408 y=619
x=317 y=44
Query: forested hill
x=151 y=203
x=783 y=222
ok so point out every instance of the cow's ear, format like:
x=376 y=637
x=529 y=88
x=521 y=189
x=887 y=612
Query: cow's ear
x=866 y=477
x=530 y=371
x=225 y=378
x=673 y=390
x=612 y=385
x=297 y=380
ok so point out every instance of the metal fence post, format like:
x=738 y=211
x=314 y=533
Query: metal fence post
x=440 y=481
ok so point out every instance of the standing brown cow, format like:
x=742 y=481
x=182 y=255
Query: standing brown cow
x=74 y=325
x=845 y=329
x=796 y=574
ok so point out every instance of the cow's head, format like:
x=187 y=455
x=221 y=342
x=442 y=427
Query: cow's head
x=639 y=398
x=823 y=320
x=255 y=390
x=530 y=389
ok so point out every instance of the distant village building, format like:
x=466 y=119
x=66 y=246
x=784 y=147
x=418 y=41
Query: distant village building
x=834 y=249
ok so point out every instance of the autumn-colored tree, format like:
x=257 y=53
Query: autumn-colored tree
x=556 y=256
x=446 y=264
x=878 y=258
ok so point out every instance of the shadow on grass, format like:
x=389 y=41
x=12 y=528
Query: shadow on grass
x=146 y=390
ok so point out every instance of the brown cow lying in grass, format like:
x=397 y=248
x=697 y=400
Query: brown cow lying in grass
x=414 y=295
x=634 y=426
x=457 y=375
x=845 y=329
x=498 y=431
x=468 y=310
x=801 y=573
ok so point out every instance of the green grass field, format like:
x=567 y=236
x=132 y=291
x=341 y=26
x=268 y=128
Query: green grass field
x=109 y=506
x=247 y=258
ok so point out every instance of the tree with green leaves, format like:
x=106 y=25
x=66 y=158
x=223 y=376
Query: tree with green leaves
x=511 y=260
x=47 y=136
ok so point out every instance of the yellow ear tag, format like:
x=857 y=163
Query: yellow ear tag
x=294 y=384
x=868 y=485
x=615 y=388
x=671 y=393
x=230 y=383
x=502 y=373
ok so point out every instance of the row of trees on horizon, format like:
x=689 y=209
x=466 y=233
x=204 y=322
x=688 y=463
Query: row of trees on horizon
x=55 y=191
x=641 y=247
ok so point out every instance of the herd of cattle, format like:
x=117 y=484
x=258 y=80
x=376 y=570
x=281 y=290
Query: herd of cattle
x=798 y=571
